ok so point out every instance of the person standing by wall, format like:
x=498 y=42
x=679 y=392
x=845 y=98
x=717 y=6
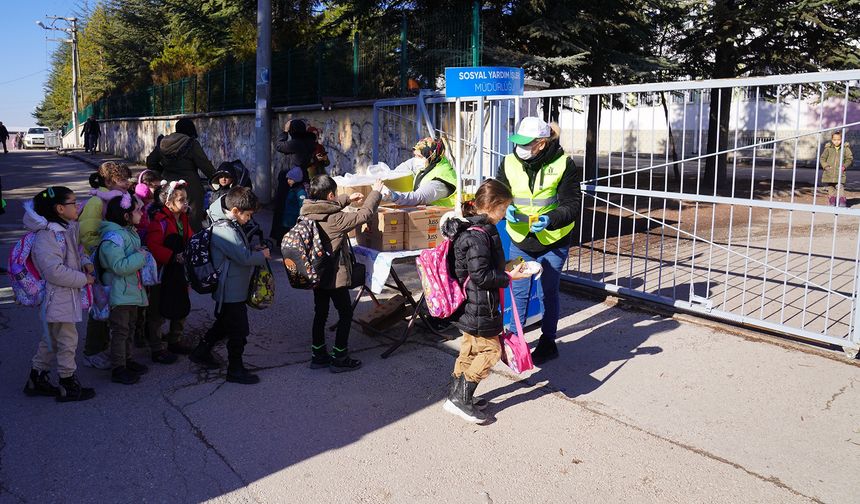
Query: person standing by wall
x=298 y=146
x=91 y=133
x=834 y=167
x=4 y=135
x=545 y=185
x=179 y=156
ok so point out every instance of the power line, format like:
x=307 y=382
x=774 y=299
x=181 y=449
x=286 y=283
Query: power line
x=24 y=77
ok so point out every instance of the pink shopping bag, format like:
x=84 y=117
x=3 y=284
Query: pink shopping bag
x=515 y=350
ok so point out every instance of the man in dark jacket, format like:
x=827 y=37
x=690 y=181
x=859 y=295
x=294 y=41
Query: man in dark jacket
x=298 y=147
x=91 y=133
x=179 y=156
x=4 y=135
x=547 y=195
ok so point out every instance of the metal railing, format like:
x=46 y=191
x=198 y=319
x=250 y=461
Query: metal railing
x=706 y=196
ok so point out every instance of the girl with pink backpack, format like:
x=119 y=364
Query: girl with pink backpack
x=478 y=263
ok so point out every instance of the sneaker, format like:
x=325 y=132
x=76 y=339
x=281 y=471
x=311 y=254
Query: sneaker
x=843 y=202
x=202 y=355
x=39 y=384
x=343 y=364
x=136 y=367
x=100 y=360
x=544 y=351
x=243 y=376
x=164 y=357
x=179 y=348
x=71 y=390
x=831 y=201
x=320 y=361
x=124 y=375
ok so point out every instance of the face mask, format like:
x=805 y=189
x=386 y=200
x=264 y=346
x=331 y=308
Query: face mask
x=524 y=153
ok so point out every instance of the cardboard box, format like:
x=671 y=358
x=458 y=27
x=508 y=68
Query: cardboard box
x=422 y=240
x=380 y=241
x=347 y=190
x=424 y=219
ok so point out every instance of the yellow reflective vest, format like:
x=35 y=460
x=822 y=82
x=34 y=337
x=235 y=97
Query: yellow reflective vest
x=543 y=200
x=445 y=172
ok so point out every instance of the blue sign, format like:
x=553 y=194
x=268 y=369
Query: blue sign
x=483 y=81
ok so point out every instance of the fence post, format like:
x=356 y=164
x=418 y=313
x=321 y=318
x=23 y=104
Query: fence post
x=194 y=103
x=289 y=74
x=152 y=101
x=355 y=63
x=242 y=84
x=319 y=72
x=224 y=88
x=476 y=33
x=403 y=60
x=182 y=95
x=209 y=91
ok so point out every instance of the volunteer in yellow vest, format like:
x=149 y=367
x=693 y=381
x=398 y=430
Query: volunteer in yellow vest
x=435 y=178
x=545 y=185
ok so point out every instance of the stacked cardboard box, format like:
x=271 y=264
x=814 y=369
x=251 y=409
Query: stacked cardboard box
x=384 y=231
x=348 y=190
x=422 y=227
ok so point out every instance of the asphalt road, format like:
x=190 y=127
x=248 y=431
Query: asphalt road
x=638 y=408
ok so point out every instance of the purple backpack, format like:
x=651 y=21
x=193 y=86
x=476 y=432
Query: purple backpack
x=442 y=292
x=27 y=283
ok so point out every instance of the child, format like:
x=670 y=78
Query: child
x=115 y=177
x=222 y=181
x=148 y=183
x=479 y=257
x=325 y=208
x=168 y=235
x=834 y=171
x=295 y=198
x=121 y=258
x=231 y=249
x=54 y=213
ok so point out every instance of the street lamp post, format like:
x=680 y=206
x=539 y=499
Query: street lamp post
x=71 y=29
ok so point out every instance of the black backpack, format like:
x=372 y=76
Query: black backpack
x=307 y=262
x=202 y=273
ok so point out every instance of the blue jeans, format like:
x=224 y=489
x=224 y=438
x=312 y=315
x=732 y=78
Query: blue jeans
x=552 y=261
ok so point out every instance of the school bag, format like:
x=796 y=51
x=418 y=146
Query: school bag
x=261 y=290
x=305 y=259
x=27 y=284
x=442 y=292
x=202 y=273
x=515 y=350
x=100 y=309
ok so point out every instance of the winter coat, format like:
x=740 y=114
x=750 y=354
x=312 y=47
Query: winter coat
x=231 y=251
x=63 y=274
x=569 y=196
x=479 y=257
x=334 y=225
x=142 y=227
x=834 y=171
x=121 y=260
x=92 y=215
x=163 y=225
x=4 y=133
x=299 y=152
x=293 y=206
x=180 y=157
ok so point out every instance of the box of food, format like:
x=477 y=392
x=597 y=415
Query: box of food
x=384 y=242
x=384 y=231
x=349 y=190
x=422 y=240
x=424 y=219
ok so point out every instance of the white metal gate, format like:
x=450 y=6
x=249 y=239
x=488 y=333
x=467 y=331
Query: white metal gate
x=765 y=250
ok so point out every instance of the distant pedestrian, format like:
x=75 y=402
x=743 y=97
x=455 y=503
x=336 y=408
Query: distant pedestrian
x=91 y=133
x=319 y=159
x=179 y=156
x=53 y=215
x=298 y=147
x=295 y=198
x=19 y=140
x=4 y=135
x=834 y=176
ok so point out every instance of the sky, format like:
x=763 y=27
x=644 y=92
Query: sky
x=24 y=56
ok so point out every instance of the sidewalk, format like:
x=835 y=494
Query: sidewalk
x=98 y=158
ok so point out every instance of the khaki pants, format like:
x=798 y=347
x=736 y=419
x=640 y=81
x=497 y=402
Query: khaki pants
x=122 y=321
x=64 y=342
x=477 y=356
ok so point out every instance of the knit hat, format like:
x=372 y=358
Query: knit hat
x=295 y=174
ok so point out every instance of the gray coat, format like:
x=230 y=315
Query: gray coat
x=61 y=270
x=232 y=252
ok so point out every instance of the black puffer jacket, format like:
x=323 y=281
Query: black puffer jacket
x=479 y=256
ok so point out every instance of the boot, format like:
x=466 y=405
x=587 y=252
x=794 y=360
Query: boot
x=478 y=402
x=320 y=357
x=341 y=362
x=202 y=355
x=39 y=384
x=71 y=390
x=124 y=375
x=460 y=402
x=544 y=351
x=237 y=373
x=136 y=367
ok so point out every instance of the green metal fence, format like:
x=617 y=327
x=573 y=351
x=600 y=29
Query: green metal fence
x=384 y=58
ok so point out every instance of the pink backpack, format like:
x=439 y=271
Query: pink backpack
x=442 y=292
x=515 y=350
x=27 y=283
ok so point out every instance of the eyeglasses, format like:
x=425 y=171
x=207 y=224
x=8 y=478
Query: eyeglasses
x=69 y=203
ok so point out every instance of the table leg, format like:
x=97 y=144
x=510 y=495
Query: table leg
x=408 y=295
x=406 y=331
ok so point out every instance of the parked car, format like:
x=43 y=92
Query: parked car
x=35 y=137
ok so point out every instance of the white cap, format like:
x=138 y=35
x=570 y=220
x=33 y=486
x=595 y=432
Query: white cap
x=530 y=129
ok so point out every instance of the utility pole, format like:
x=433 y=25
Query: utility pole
x=71 y=29
x=263 y=116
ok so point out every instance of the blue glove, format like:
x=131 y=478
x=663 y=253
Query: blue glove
x=511 y=214
x=541 y=224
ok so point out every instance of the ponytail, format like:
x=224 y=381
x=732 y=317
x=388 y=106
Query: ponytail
x=489 y=195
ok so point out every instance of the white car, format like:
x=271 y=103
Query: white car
x=35 y=137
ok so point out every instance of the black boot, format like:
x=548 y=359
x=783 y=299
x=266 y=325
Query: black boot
x=237 y=373
x=544 y=351
x=320 y=357
x=460 y=402
x=478 y=402
x=39 y=384
x=341 y=362
x=202 y=355
x=71 y=390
